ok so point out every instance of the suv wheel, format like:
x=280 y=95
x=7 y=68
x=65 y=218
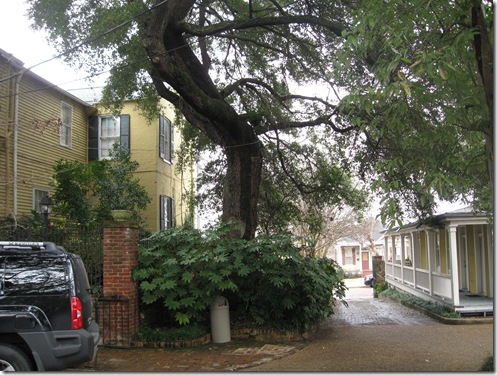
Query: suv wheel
x=13 y=359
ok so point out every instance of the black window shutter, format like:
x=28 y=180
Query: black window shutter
x=161 y=136
x=125 y=132
x=172 y=142
x=161 y=210
x=93 y=138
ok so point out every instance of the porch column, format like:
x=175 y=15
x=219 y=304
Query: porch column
x=429 y=243
x=490 y=250
x=453 y=264
x=402 y=256
x=414 y=245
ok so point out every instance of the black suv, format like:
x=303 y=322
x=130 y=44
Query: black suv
x=45 y=308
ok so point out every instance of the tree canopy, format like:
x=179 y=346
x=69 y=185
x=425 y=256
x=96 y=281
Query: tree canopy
x=399 y=82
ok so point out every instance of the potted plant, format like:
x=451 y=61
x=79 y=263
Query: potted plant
x=119 y=192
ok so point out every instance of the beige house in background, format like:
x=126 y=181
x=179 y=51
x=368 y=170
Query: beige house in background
x=41 y=124
x=356 y=258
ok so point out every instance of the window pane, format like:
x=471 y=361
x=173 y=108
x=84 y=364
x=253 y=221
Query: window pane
x=66 y=125
x=38 y=196
x=36 y=275
x=109 y=134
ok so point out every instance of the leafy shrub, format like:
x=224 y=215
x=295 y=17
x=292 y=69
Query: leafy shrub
x=488 y=364
x=188 y=332
x=436 y=308
x=380 y=287
x=266 y=281
x=88 y=192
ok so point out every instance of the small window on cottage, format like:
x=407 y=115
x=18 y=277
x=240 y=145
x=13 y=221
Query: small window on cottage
x=349 y=256
x=438 y=258
x=109 y=130
x=408 y=251
x=66 y=125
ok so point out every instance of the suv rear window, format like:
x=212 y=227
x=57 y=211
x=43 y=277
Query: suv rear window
x=33 y=275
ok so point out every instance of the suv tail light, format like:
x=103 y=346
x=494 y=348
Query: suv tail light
x=76 y=313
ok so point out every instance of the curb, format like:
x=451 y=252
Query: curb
x=242 y=334
x=444 y=320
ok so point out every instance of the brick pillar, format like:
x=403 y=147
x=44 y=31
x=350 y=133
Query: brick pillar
x=119 y=304
x=379 y=268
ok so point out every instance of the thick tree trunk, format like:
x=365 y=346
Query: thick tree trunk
x=197 y=97
x=241 y=187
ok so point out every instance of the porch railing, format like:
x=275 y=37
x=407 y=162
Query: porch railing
x=441 y=284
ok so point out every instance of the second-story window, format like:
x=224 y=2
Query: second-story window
x=109 y=130
x=166 y=139
x=104 y=131
x=66 y=124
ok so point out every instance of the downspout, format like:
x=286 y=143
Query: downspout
x=16 y=125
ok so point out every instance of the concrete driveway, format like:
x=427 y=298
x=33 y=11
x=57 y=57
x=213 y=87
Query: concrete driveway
x=375 y=334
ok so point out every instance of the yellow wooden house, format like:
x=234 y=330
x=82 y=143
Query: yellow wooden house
x=41 y=124
x=450 y=261
x=153 y=146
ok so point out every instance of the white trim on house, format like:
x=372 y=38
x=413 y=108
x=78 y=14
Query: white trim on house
x=464 y=284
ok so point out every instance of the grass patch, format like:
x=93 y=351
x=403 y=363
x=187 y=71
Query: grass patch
x=184 y=333
x=488 y=364
x=436 y=308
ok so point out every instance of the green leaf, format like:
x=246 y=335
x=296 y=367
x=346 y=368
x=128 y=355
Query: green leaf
x=182 y=319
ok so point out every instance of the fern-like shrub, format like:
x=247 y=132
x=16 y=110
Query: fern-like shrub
x=434 y=307
x=267 y=281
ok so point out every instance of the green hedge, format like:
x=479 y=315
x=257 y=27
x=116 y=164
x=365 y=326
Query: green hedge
x=436 y=308
x=266 y=281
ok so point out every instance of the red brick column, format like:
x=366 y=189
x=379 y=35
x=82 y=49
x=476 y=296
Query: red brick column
x=119 y=305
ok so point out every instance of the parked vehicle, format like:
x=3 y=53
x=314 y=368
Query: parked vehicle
x=369 y=280
x=46 y=319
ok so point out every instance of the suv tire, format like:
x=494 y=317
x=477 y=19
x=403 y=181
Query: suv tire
x=13 y=359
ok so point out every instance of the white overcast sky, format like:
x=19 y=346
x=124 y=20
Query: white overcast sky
x=31 y=47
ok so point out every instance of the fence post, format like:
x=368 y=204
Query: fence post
x=119 y=305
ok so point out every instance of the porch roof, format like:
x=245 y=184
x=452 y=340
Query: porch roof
x=463 y=216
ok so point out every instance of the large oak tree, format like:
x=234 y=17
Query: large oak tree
x=237 y=69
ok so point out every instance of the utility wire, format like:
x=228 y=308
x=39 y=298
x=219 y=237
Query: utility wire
x=87 y=41
x=96 y=38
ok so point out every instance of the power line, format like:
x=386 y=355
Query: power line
x=96 y=38
x=87 y=41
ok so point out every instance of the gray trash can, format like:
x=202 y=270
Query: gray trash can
x=220 y=320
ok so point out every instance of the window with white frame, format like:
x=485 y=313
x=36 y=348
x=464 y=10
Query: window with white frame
x=349 y=256
x=397 y=249
x=109 y=131
x=166 y=139
x=438 y=259
x=408 y=251
x=66 y=125
x=167 y=212
x=417 y=249
x=38 y=195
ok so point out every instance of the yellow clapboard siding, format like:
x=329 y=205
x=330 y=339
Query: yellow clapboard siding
x=38 y=146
